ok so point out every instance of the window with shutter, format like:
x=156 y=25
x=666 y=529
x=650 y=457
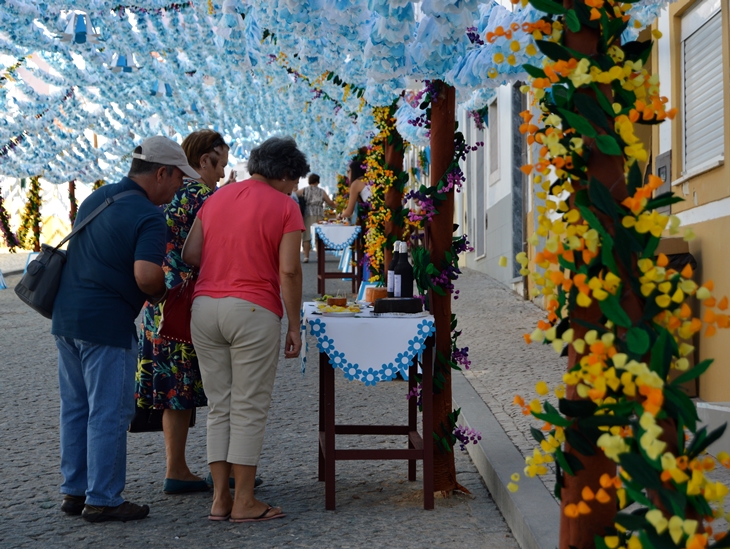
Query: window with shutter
x=703 y=79
x=493 y=142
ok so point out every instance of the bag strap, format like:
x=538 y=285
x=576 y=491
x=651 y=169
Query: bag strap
x=100 y=208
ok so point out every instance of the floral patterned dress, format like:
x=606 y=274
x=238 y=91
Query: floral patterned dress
x=168 y=375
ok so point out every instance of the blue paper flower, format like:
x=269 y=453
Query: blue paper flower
x=352 y=371
x=337 y=359
x=325 y=343
x=415 y=346
x=387 y=372
x=403 y=361
x=426 y=328
x=317 y=327
x=370 y=377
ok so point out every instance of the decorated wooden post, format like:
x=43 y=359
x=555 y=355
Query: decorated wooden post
x=616 y=306
x=394 y=149
x=441 y=230
x=74 y=206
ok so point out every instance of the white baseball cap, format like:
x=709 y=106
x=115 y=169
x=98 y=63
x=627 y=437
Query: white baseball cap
x=161 y=150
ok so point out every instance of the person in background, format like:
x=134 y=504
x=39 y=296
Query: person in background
x=315 y=197
x=359 y=189
x=246 y=241
x=113 y=266
x=168 y=376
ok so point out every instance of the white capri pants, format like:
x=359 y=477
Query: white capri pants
x=237 y=343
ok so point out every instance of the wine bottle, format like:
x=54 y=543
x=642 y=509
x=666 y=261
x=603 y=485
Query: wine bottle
x=391 y=269
x=403 y=274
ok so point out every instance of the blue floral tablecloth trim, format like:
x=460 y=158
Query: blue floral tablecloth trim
x=370 y=376
x=341 y=246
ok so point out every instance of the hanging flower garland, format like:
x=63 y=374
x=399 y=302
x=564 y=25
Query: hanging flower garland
x=342 y=192
x=7 y=75
x=98 y=183
x=619 y=307
x=30 y=220
x=11 y=241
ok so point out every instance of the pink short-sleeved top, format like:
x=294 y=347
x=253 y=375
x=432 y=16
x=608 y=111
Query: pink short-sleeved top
x=243 y=224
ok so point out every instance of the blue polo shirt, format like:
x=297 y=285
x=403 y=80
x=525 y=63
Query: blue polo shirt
x=99 y=300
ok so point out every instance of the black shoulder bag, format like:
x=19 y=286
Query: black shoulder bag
x=39 y=285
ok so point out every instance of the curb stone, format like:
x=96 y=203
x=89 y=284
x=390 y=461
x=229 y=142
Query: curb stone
x=532 y=513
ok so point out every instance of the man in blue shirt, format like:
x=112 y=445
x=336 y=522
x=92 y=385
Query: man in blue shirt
x=113 y=266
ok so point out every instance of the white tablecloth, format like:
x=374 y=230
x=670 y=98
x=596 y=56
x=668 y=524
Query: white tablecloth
x=367 y=348
x=334 y=236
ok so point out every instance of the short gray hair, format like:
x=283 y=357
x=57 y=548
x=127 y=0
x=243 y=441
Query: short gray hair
x=278 y=158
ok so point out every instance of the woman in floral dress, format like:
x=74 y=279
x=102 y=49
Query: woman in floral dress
x=168 y=376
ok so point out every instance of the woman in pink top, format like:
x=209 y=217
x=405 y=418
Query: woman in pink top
x=246 y=241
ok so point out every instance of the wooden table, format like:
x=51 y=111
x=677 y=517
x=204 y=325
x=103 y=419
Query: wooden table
x=323 y=274
x=418 y=447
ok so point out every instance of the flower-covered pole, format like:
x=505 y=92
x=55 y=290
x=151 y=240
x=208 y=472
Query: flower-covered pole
x=440 y=235
x=31 y=218
x=394 y=149
x=11 y=241
x=617 y=308
x=607 y=170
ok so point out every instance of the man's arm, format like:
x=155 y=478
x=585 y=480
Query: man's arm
x=150 y=279
x=193 y=247
x=290 y=273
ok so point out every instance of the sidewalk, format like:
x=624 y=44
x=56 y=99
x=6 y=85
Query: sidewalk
x=376 y=506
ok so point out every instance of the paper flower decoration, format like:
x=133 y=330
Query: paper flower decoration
x=80 y=30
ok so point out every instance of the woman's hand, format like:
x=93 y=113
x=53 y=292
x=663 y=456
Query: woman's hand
x=293 y=344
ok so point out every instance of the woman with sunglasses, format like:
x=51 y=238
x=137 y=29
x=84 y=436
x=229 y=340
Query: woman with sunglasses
x=168 y=376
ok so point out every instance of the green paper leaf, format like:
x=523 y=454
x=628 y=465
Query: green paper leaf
x=577 y=122
x=614 y=312
x=664 y=199
x=577 y=408
x=693 y=373
x=608 y=145
x=601 y=198
x=640 y=471
x=560 y=458
x=548 y=6
x=637 y=340
x=686 y=407
x=555 y=419
x=537 y=435
x=579 y=442
x=534 y=71
x=588 y=107
x=554 y=51
x=573 y=22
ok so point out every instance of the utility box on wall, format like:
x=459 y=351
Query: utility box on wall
x=664 y=172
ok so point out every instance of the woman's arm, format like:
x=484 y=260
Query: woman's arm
x=290 y=273
x=329 y=201
x=355 y=189
x=193 y=247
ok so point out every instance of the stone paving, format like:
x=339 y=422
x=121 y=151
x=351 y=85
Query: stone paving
x=377 y=506
x=493 y=320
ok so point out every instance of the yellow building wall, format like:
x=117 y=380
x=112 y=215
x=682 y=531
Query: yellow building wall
x=710 y=248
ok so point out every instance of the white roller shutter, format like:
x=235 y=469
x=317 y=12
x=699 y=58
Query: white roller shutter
x=704 y=124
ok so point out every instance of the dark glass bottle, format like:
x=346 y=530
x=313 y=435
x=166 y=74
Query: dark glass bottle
x=403 y=274
x=391 y=269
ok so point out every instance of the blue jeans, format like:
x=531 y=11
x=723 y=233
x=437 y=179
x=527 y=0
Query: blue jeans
x=97 y=404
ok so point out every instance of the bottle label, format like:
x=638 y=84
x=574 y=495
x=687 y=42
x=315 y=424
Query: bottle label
x=397 y=285
x=391 y=281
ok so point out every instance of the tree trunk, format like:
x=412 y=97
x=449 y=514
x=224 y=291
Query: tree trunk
x=443 y=124
x=393 y=196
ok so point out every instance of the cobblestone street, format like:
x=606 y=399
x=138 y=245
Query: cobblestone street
x=376 y=505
